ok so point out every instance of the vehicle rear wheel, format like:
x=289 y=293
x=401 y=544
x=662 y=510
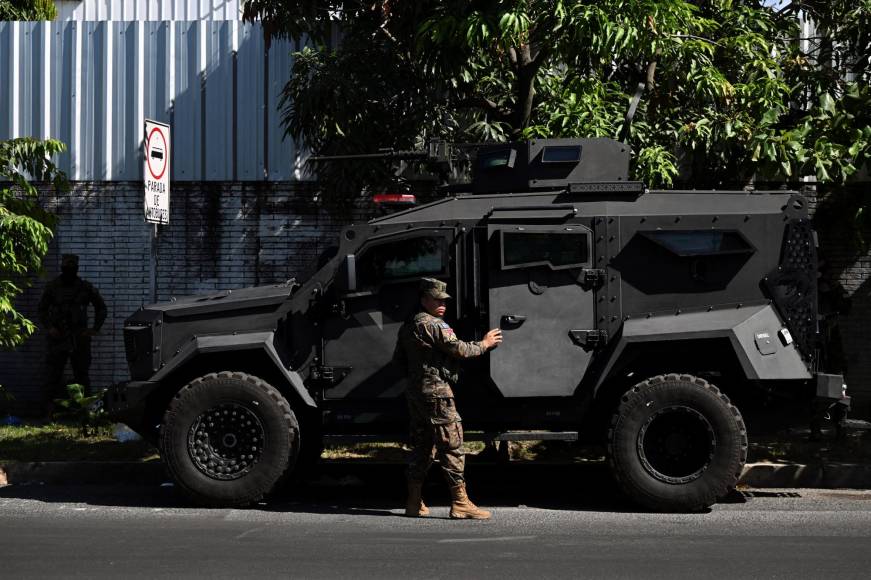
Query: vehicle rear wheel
x=676 y=443
x=227 y=438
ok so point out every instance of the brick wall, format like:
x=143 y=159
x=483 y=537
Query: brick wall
x=221 y=235
x=848 y=271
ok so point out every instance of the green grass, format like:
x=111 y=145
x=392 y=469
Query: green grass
x=780 y=448
x=854 y=448
x=64 y=442
x=543 y=451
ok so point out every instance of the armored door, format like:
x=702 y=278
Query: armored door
x=360 y=335
x=538 y=297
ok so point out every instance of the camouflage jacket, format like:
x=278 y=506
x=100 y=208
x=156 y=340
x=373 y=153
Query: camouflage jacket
x=65 y=306
x=428 y=351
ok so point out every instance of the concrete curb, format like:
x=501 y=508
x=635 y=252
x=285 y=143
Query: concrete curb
x=760 y=475
x=825 y=475
x=82 y=472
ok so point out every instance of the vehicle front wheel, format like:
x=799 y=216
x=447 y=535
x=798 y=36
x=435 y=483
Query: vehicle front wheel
x=676 y=443
x=227 y=438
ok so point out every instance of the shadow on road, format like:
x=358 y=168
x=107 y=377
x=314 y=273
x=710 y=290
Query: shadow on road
x=376 y=489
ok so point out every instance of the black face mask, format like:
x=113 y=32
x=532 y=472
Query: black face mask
x=69 y=273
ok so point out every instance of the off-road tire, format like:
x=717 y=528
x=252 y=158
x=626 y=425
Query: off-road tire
x=228 y=417
x=676 y=443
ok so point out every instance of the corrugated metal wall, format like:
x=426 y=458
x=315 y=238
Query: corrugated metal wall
x=97 y=10
x=92 y=84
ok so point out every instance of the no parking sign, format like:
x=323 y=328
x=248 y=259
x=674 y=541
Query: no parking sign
x=157 y=156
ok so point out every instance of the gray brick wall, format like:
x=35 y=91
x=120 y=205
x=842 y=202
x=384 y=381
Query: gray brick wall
x=850 y=268
x=221 y=235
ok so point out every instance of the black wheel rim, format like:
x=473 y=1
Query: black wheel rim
x=226 y=441
x=676 y=444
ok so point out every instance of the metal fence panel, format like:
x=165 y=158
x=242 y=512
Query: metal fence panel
x=92 y=84
x=6 y=65
x=147 y=10
x=250 y=104
x=187 y=121
x=282 y=151
x=218 y=114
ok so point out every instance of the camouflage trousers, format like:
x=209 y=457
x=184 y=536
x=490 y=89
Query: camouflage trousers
x=436 y=434
x=78 y=353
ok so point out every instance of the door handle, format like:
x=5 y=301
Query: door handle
x=513 y=319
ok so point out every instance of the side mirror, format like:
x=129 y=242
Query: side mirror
x=351 y=272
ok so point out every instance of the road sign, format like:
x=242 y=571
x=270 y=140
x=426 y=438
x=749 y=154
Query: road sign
x=156 y=173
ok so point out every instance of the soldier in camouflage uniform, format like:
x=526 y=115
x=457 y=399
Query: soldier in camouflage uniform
x=63 y=312
x=429 y=352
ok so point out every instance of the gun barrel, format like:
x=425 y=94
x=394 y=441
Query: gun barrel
x=363 y=156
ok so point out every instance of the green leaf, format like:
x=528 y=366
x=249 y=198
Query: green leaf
x=827 y=103
x=822 y=173
x=770 y=117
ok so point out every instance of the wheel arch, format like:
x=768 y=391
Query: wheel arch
x=252 y=353
x=712 y=358
x=725 y=338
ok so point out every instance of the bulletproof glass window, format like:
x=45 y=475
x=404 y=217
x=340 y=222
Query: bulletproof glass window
x=403 y=258
x=557 y=250
x=496 y=159
x=561 y=154
x=701 y=242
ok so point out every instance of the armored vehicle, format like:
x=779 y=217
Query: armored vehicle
x=632 y=315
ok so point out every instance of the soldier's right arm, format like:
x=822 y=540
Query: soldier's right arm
x=442 y=337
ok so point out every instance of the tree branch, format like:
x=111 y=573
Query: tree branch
x=488 y=105
x=649 y=77
x=694 y=37
x=540 y=57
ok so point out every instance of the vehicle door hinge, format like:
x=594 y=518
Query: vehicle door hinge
x=589 y=339
x=592 y=277
x=329 y=376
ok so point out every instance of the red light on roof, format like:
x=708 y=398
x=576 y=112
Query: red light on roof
x=394 y=198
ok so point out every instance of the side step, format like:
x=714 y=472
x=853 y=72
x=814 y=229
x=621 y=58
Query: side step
x=468 y=436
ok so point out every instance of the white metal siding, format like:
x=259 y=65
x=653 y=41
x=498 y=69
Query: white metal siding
x=92 y=84
x=147 y=10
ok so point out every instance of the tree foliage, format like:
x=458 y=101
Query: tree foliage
x=25 y=227
x=733 y=93
x=27 y=10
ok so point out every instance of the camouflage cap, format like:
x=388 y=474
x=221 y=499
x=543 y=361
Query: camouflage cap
x=69 y=260
x=435 y=288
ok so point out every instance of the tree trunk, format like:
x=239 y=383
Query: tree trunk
x=526 y=69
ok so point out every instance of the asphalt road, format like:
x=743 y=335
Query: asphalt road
x=349 y=527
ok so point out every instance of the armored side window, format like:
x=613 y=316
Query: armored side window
x=557 y=250
x=561 y=154
x=403 y=258
x=500 y=158
x=701 y=242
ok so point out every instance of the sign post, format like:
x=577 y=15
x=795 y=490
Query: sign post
x=156 y=177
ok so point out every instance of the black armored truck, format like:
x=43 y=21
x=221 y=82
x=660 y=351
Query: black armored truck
x=636 y=317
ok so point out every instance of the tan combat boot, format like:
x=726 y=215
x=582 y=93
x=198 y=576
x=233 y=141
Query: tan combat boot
x=462 y=507
x=415 y=506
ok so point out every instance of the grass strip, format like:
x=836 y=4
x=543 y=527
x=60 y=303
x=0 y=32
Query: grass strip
x=64 y=442
x=57 y=441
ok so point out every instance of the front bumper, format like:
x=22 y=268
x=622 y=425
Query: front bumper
x=832 y=389
x=126 y=402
